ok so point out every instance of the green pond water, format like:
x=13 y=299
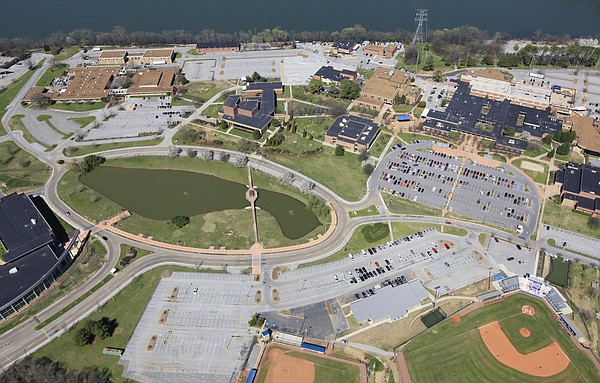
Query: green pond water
x=162 y=194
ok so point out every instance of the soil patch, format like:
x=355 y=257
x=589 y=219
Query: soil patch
x=285 y=368
x=456 y=318
x=528 y=310
x=524 y=331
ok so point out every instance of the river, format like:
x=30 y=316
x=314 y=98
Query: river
x=521 y=18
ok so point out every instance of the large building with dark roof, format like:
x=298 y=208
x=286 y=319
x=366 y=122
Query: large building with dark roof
x=256 y=111
x=33 y=257
x=353 y=133
x=329 y=75
x=217 y=47
x=580 y=187
x=344 y=46
x=487 y=118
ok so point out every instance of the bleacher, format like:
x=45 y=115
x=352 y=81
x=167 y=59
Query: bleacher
x=509 y=284
x=555 y=300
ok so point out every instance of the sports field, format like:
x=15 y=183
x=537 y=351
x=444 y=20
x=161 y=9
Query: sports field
x=282 y=364
x=454 y=351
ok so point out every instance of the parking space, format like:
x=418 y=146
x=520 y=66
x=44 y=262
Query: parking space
x=312 y=320
x=197 y=324
x=515 y=257
x=490 y=195
x=200 y=70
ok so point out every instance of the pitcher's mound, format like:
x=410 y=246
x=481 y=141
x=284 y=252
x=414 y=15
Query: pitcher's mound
x=524 y=331
x=528 y=310
x=456 y=318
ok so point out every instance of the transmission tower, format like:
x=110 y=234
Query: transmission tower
x=420 y=33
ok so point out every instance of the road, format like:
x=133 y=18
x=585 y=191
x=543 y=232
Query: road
x=23 y=339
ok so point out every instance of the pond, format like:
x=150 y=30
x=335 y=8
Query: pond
x=162 y=194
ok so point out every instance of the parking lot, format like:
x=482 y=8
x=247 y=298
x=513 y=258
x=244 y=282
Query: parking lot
x=199 y=322
x=490 y=195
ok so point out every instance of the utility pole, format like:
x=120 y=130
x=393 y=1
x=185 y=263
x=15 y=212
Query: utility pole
x=421 y=33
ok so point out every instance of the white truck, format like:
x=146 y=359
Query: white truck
x=536 y=75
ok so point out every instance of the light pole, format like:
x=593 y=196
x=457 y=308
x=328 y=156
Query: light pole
x=435 y=297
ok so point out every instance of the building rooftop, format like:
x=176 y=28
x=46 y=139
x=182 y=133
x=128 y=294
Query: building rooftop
x=112 y=54
x=384 y=83
x=158 y=53
x=88 y=83
x=335 y=75
x=344 y=44
x=263 y=102
x=390 y=302
x=217 y=45
x=588 y=132
x=159 y=80
x=354 y=129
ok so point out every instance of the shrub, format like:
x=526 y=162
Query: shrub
x=256 y=321
x=564 y=149
x=179 y=221
x=375 y=232
x=339 y=150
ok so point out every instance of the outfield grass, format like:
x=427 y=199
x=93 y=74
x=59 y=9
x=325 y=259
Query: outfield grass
x=88 y=149
x=343 y=175
x=78 y=106
x=82 y=121
x=366 y=212
x=19 y=170
x=398 y=205
x=51 y=73
x=539 y=177
x=455 y=352
x=9 y=92
x=568 y=219
x=127 y=308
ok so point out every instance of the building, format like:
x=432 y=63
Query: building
x=329 y=75
x=152 y=82
x=353 y=133
x=383 y=87
x=256 y=110
x=217 y=47
x=390 y=303
x=580 y=187
x=33 y=256
x=383 y=50
x=344 y=46
x=6 y=62
x=152 y=57
x=114 y=57
x=487 y=118
x=588 y=133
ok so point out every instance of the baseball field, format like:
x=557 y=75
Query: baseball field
x=284 y=364
x=500 y=342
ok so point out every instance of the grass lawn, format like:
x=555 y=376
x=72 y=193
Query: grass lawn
x=66 y=53
x=571 y=157
x=193 y=52
x=46 y=118
x=298 y=94
x=19 y=170
x=348 y=180
x=356 y=243
x=9 y=92
x=438 y=63
x=212 y=135
x=78 y=106
x=204 y=91
x=51 y=73
x=539 y=177
x=123 y=253
x=568 y=219
x=458 y=347
x=287 y=90
x=16 y=123
x=379 y=144
x=418 y=111
x=212 y=110
x=317 y=125
x=366 y=212
x=82 y=121
x=408 y=137
x=403 y=108
x=181 y=102
x=127 y=308
x=85 y=150
x=482 y=238
x=398 y=205
x=367 y=74
x=403 y=229
x=280 y=107
x=295 y=143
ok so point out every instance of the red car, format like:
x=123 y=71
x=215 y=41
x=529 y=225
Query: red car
x=434 y=250
x=448 y=223
x=446 y=246
x=377 y=264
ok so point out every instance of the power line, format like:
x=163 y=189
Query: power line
x=421 y=33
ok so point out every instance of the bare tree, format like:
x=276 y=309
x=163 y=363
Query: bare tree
x=206 y=154
x=286 y=178
x=191 y=152
x=307 y=187
x=241 y=161
x=40 y=99
x=174 y=151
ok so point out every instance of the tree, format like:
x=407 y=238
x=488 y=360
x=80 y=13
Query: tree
x=306 y=187
x=191 y=152
x=206 y=155
x=45 y=370
x=286 y=179
x=40 y=99
x=256 y=134
x=88 y=164
x=509 y=131
x=314 y=86
x=225 y=157
x=179 y=221
x=174 y=151
x=564 y=149
x=318 y=206
x=422 y=104
x=84 y=336
x=363 y=155
x=400 y=99
x=223 y=125
x=551 y=153
x=487 y=60
x=349 y=89
x=438 y=76
x=339 y=150
x=547 y=139
x=411 y=55
x=241 y=161
x=246 y=146
x=256 y=321
x=368 y=168
x=428 y=66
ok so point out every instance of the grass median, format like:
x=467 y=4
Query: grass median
x=95 y=148
x=9 y=92
x=19 y=170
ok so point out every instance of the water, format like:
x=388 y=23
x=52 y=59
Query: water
x=162 y=194
x=518 y=17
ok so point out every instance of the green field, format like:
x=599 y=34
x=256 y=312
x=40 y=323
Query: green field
x=127 y=307
x=455 y=352
x=379 y=144
x=343 y=175
x=212 y=110
x=88 y=149
x=326 y=370
x=559 y=272
x=568 y=219
x=78 y=106
x=366 y=212
x=19 y=170
x=398 y=205
x=51 y=73
x=9 y=92
x=403 y=229
x=539 y=177
x=205 y=90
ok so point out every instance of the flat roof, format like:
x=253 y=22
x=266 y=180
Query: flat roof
x=217 y=45
x=384 y=83
x=20 y=222
x=88 y=83
x=112 y=54
x=390 y=302
x=588 y=132
x=344 y=44
x=336 y=75
x=352 y=128
x=158 y=53
x=159 y=80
